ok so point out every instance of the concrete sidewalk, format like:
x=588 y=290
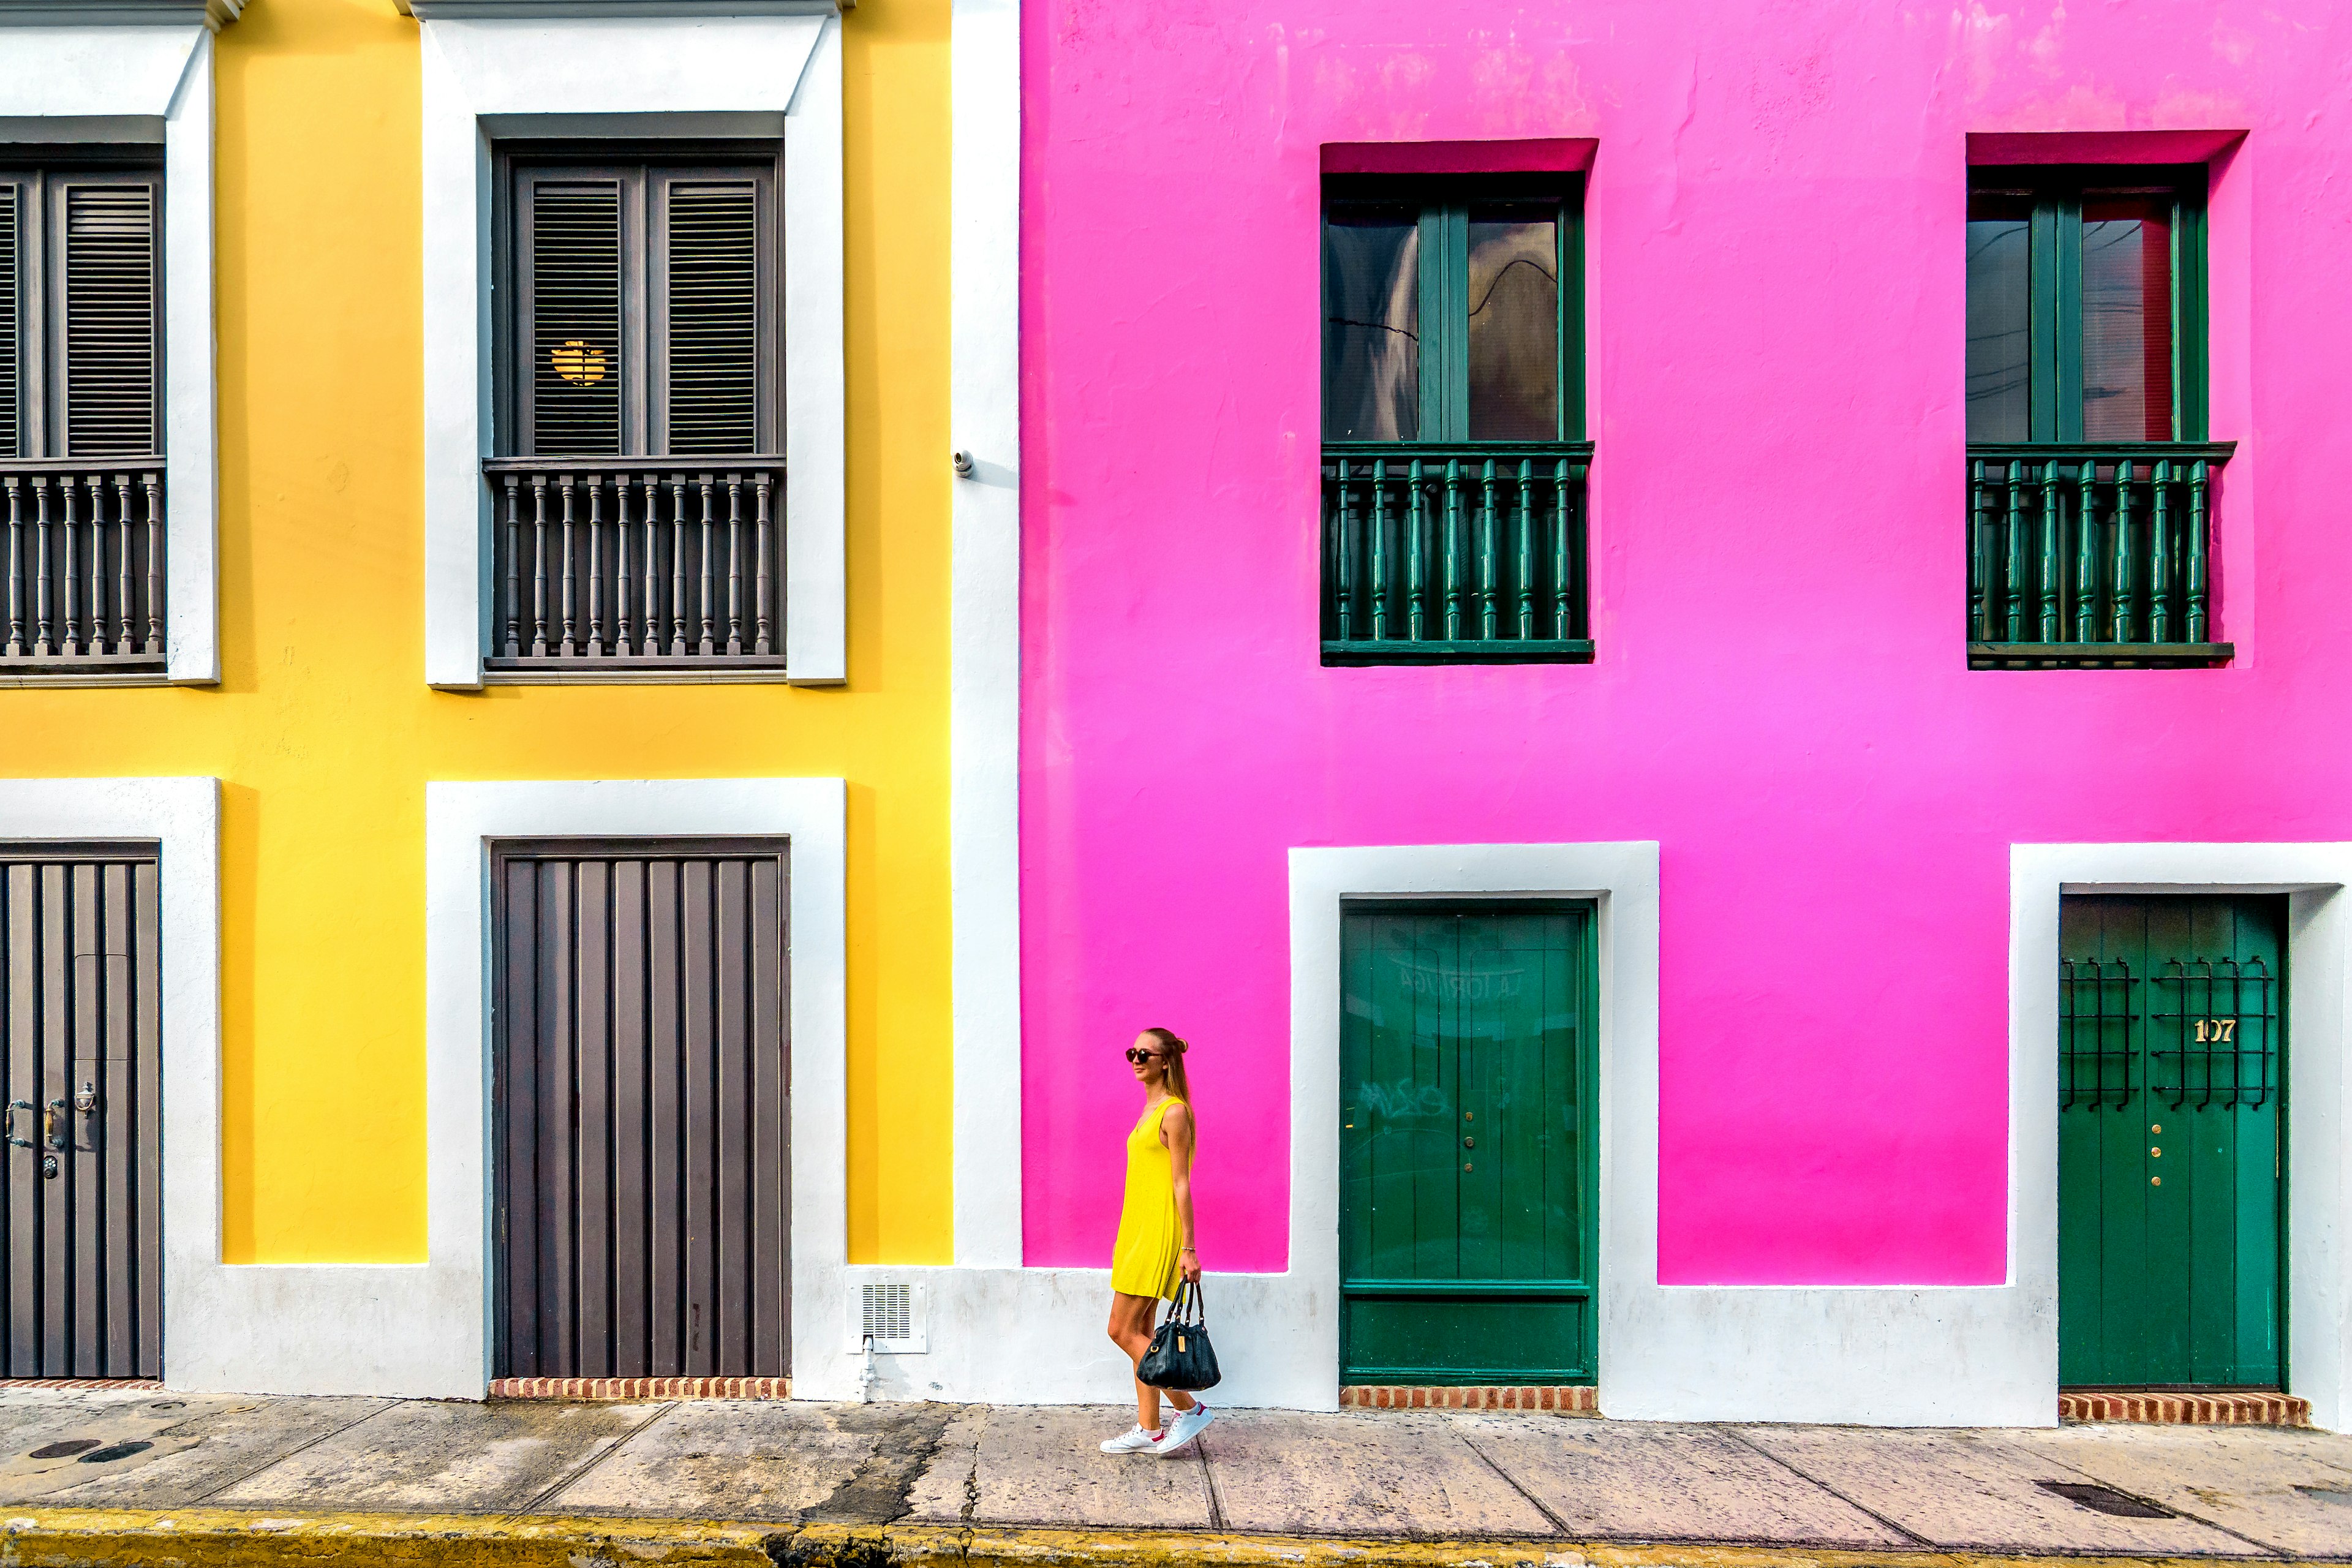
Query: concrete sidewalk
x=209 y=1478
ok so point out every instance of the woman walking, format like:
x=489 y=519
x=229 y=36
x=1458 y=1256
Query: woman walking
x=1154 y=1250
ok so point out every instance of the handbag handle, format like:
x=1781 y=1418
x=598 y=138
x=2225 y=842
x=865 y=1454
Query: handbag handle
x=1187 y=1308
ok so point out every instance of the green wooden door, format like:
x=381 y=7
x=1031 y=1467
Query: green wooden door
x=1468 y=1150
x=2172 y=1156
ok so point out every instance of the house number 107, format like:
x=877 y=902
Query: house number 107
x=2217 y=1031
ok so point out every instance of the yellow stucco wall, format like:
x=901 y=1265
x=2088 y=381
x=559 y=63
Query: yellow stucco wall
x=324 y=733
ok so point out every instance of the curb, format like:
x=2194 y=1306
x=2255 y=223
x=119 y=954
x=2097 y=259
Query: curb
x=210 y=1538
x=195 y=1538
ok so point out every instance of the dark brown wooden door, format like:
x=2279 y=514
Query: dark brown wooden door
x=640 y=1108
x=80 y=1055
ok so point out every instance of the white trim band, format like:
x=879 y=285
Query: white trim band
x=985 y=640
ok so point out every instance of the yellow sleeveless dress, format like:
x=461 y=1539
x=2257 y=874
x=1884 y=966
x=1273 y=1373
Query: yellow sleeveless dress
x=1143 y=1261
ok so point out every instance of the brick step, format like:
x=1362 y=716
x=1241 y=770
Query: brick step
x=642 y=1388
x=1560 y=1399
x=2185 y=1407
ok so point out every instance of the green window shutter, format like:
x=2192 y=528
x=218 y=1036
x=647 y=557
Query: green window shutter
x=109 y=333
x=711 y=329
x=572 y=316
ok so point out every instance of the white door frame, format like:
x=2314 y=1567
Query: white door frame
x=1621 y=879
x=2319 y=1266
x=448 y=1343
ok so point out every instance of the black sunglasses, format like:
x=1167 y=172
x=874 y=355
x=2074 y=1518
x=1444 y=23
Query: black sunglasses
x=1137 y=1056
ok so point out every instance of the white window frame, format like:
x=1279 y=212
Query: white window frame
x=141 y=70
x=634 y=69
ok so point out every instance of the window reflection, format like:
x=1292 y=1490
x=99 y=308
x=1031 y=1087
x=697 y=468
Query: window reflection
x=1998 y=381
x=1372 y=327
x=2127 y=317
x=1514 y=329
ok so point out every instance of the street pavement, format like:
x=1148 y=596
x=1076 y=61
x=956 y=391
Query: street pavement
x=2140 y=1491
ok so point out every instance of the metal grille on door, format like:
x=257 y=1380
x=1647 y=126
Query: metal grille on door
x=642 y=1109
x=80 y=1059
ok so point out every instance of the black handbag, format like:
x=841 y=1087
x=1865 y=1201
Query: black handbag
x=1181 y=1355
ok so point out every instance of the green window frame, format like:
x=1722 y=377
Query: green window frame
x=2089 y=539
x=1444 y=207
x=2053 y=197
x=1453 y=515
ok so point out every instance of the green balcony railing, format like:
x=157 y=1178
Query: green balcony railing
x=2093 y=556
x=1465 y=554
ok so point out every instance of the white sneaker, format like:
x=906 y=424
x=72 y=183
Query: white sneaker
x=1188 y=1425
x=1135 y=1439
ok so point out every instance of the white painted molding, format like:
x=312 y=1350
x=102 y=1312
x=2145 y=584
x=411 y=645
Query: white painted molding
x=2319 y=1089
x=214 y=15
x=816 y=481
x=653 y=76
x=442 y=1348
x=94 y=82
x=1893 y=1355
x=183 y=816
x=1622 y=878
x=984 y=680
x=493 y=10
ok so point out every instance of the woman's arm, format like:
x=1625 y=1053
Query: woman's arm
x=1176 y=1127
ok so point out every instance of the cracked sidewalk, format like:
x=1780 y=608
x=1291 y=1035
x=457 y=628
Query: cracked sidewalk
x=798 y=1481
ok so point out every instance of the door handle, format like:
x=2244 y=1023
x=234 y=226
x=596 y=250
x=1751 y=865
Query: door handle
x=53 y=1125
x=49 y=1166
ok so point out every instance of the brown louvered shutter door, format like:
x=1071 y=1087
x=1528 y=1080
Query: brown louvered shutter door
x=81 y=1065
x=12 y=316
x=108 y=337
x=640 y=1108
x=572 y=241
x=710 y=329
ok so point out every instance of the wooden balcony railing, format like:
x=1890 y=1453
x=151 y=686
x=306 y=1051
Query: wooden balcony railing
x=1468 y=554
x=658 y=569
x=85 y=567
x=2095 y=556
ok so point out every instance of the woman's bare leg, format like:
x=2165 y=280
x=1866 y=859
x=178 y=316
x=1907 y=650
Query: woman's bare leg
x=1130 y=1330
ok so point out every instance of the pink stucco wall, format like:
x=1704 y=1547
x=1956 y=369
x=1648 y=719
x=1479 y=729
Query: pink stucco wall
x=1775 y=314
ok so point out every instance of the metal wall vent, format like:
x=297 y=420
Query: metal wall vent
x=894 y=1314
x=888 y=1311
